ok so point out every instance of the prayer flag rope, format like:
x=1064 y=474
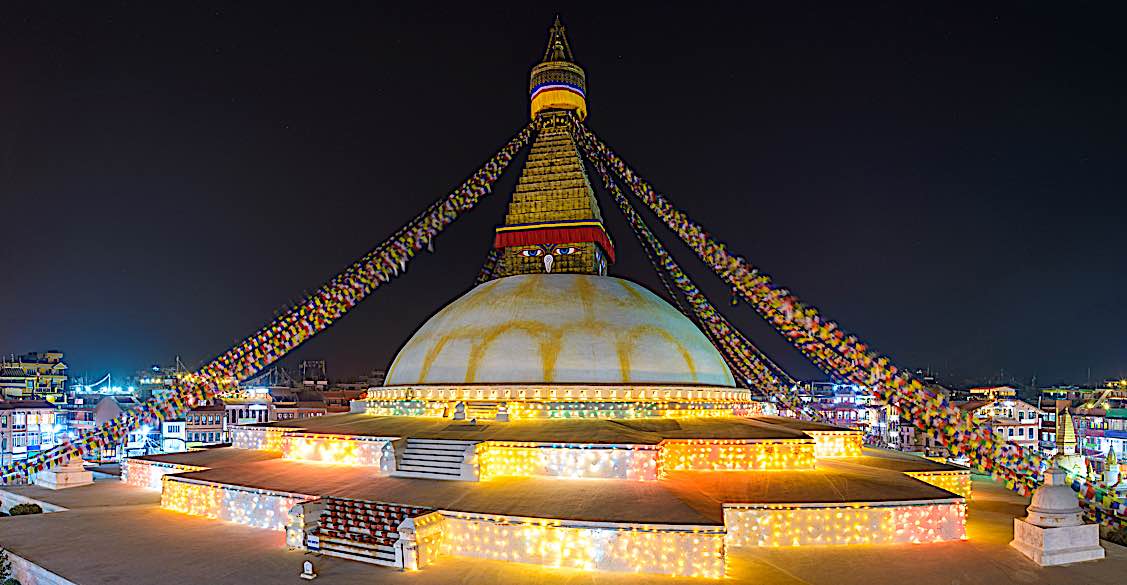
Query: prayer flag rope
x=928 y=411
x=489 y=266
x=844 y=354
x=747 y=359
x=304 y=320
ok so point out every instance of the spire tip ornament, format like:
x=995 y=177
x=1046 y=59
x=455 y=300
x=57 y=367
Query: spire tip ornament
x=557 y=83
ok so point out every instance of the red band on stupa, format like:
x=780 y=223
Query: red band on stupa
x=554 y=233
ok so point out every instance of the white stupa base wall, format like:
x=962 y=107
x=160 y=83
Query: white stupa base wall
x=63 y=478
x=1057 y=546
x=253 y=507
x=597 y=546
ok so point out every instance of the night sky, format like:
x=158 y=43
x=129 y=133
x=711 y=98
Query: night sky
x=947 y=183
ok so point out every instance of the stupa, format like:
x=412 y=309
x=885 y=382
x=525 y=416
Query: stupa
x=1068 y=455
x=560 y=416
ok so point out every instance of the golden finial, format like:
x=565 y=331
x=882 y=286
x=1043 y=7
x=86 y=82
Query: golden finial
x=557 y=83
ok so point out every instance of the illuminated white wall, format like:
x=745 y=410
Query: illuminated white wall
x=573 y=460
x=851 y=523
x=670 y=550
x=248 y=506
x=734 y=455
x=837 y=443
x=148 y=474
x=354 y=450
x=258 y=438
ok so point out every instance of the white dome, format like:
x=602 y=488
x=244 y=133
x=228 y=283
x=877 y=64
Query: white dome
x=559 y=328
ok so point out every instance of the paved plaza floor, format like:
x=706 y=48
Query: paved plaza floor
x=119 y=535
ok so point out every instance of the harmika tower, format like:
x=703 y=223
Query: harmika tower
x=554 y=224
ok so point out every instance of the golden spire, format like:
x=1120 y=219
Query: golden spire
x=553 y=223
x=558 y=48
x=1066 y=433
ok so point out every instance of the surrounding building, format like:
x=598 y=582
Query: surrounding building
x=77 y=413
x=1097 y=418
x=992 y=392
x=173 y=436
x=141 y=441
x=34 y=375
x=1016 y=420
x=155 y=381
x=26 y=428
x=206 y=424
x=1100 y=430
x=298 y=409
x=339 y=400
x=848 y=405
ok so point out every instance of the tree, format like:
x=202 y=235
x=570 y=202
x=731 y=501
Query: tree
x=6 y=577
x=25 y=509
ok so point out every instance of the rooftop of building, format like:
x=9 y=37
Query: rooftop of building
x=971 y=405
x=26 y=405
x=215 y=407
x=36 y=357
x=313 y=404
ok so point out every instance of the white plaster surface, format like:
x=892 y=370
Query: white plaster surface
x=63 y=478
x=1059 y=545
x=570 y=328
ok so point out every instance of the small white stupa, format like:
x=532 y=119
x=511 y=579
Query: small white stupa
x=1054 y=532
x=1111 y=469
x=68 y=474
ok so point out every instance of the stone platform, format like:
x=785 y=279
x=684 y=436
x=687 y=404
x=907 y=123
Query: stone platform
x=665 y=495
x=680 y=525
x=681 y=498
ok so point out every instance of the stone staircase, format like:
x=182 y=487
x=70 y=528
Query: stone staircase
x=433 y=459
x=481 y=410
x=361 y=530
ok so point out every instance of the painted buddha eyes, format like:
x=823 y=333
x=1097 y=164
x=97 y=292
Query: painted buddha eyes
x=561 y=251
